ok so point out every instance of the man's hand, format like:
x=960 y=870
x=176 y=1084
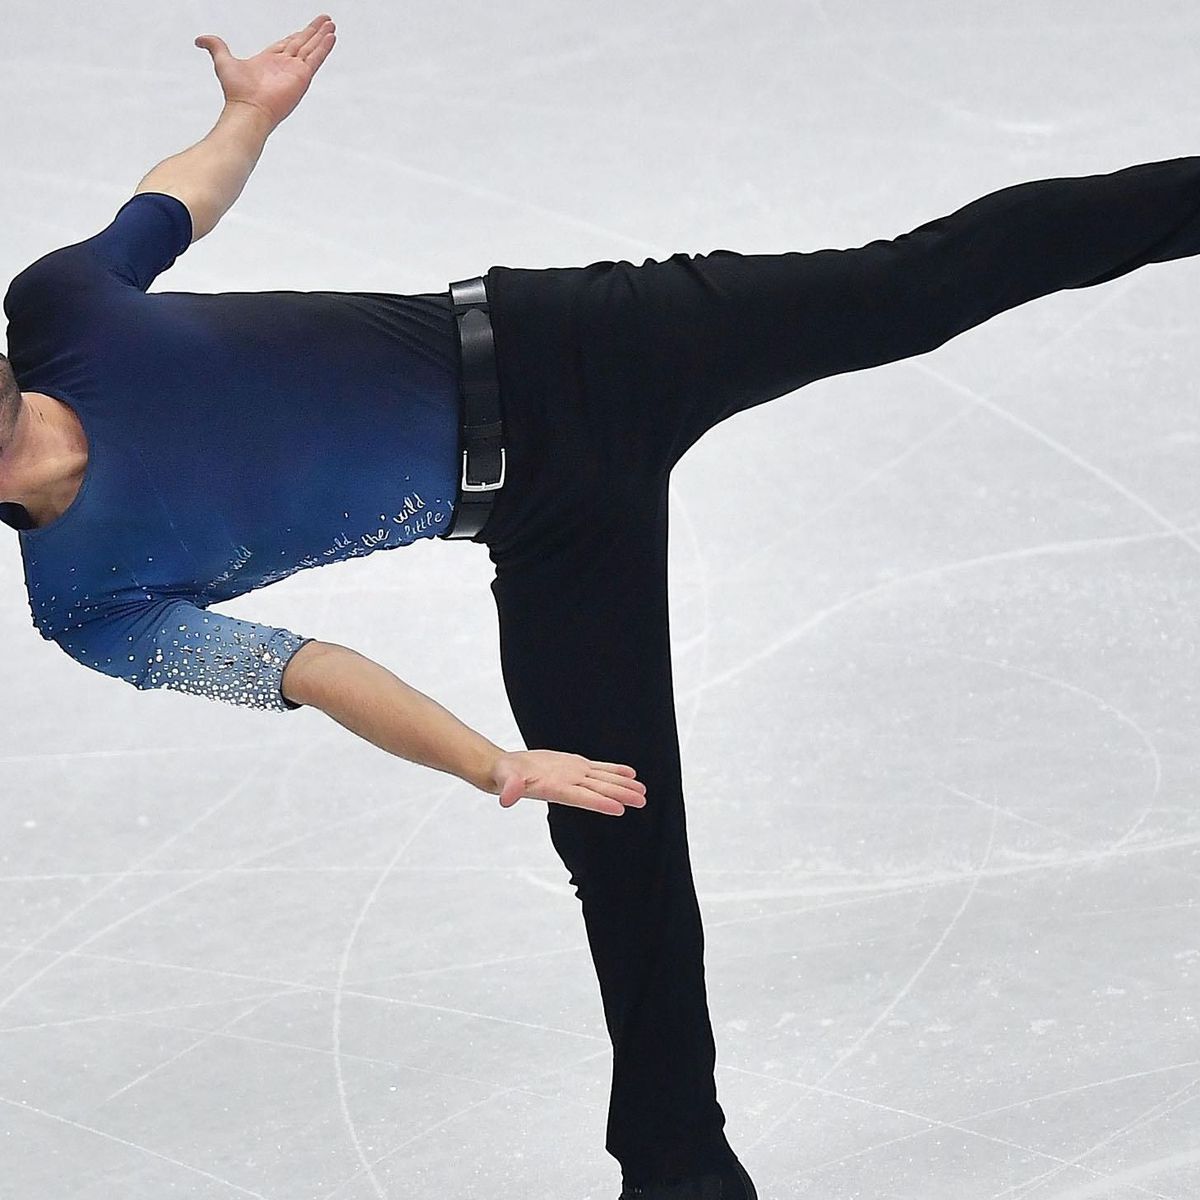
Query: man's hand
x=370 y=701
x=569 y=779
x=274 y=80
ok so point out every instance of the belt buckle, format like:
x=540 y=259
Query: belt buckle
x=483 y=487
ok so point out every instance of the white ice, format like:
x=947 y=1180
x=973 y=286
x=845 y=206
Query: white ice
x=935 y=635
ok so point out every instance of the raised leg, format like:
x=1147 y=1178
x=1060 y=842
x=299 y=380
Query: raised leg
x=705 y=336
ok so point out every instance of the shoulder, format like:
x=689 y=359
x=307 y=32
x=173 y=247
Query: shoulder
x=144 y=237
x=32 y=286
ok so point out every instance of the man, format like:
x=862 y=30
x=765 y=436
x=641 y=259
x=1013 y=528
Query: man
x=182 y=449
x=365 y=419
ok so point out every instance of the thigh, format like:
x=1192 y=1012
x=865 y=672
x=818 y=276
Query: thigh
x=585 y=644
x=723 y=332
x=638 y=361
x=586 y=659
x=609 y=372
x=567 y=398
x=689 y=341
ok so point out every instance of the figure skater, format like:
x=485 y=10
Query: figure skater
x=162 y=453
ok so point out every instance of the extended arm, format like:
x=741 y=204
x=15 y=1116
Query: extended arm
x=370 y=701
x=259 y=93
x=209 y=176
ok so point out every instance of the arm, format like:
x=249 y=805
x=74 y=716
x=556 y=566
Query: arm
x=259 y=93
x=370 y=701
x=209 y=176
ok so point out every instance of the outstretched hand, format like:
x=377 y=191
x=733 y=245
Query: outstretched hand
x=275 y=79
x=569 y=779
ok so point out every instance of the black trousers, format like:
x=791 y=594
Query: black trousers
x=608 y=374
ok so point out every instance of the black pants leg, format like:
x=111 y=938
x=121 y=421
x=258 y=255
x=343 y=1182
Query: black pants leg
x=608 y=374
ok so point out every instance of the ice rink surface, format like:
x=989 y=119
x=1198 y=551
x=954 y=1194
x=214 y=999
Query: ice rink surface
x=935 y=636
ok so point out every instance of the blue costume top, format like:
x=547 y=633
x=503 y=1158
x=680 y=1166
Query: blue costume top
x=233 y=439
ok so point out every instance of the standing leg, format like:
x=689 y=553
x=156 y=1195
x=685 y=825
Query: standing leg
x=702 y=337
x=585 y=653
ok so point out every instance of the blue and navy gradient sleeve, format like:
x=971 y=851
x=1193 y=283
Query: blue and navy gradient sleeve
x=178 y=645
x=147 y=235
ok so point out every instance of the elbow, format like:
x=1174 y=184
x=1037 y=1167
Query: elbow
x=301 y=680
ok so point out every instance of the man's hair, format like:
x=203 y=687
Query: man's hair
x=10 y=401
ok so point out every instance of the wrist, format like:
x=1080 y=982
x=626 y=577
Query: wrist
x=483 y=767
x=253 y=115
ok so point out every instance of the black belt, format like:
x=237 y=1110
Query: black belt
x=481 y=427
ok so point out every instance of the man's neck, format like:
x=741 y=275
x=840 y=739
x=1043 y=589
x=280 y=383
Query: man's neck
x=47 y=458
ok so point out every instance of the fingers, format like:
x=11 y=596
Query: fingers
x=620 y=768
x=299 y=35
x=315 y=57
x=213 y=44
x=320 y=41
x=616 y=791
x=612 y=798
x=292 y=44
x=583 y=797
x=620 y=780
x=511 y=792
x=626 y=792
x=616 y=781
